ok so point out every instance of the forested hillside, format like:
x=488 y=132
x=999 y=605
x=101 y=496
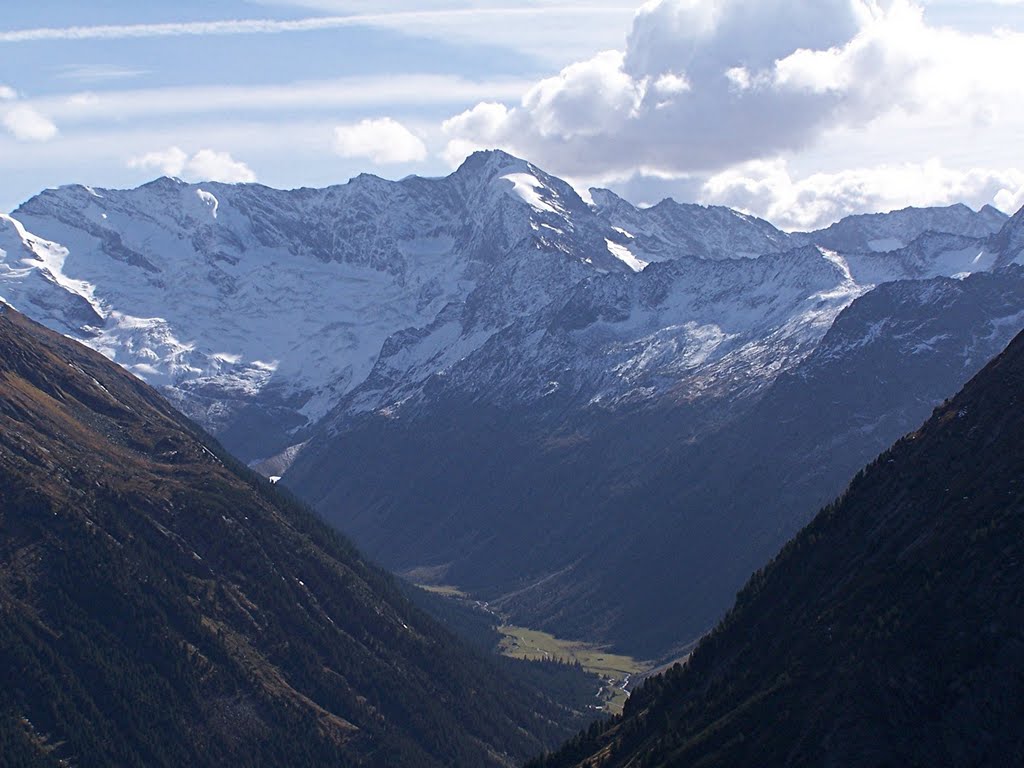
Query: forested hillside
x=889 y=632
x=160 y=605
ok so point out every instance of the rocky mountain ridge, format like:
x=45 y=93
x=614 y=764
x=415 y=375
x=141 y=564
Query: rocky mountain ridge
x=259 y=310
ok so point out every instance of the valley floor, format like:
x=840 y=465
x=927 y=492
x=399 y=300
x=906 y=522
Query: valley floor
x=618 y=672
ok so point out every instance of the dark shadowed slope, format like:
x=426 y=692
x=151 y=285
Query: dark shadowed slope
x=586 y=523
x=161 y=606
x=890 y=632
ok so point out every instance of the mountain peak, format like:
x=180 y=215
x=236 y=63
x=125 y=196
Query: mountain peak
x=163 y=182
x=485 y=167
x=499 y=175
x=488 y=162
x=492 y=156
x=605 y=198
x=368 y=178
x=991 y=213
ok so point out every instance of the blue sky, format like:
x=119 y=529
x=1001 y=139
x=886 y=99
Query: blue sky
x=799 y=111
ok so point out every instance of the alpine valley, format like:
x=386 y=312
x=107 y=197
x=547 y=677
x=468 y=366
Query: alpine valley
x=162 y=605
x=598 y=418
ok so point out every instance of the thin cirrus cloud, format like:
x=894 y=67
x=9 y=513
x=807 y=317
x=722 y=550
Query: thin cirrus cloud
x=91 y=73
x=181 y=29
x=404 y=20
x=203 y=165
x=538 y=30
x=316 y=95
x=552 y=31
x=383 y=141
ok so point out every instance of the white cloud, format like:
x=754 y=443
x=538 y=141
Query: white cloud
x=589 y=98
x=553 y=31
x=170 y=161
x=178 y=29
x=535 y=28
x=204 y=165
x=1008 y=200
x=670 y=83
x=761 y=79
x=739 y=77
x=313 y=96
x=706 y=37
x=485 y=120
x=207 y=165
x=409 y=19
x=484 y=123
x=26 y=123
x=384 y=141
x=23 y=121
x=98 y=73
x=768 y=189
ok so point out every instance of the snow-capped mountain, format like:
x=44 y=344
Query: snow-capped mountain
x=258 y=311
x=234 y=297
x=685 y=329
x=680 y=328
x=882 y=232
x=520 y=357
x=669 y=230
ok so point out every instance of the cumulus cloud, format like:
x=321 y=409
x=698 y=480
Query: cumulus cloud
x=669 y=83
x=587 y=99
x=481 y=127
x=170 y=161
x=1009 y=200
x=208 y=165
x=703 y=85
x=706 y=37
x=768 y=189
x=204 y=165
x=25 y=123
x=383 y=141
